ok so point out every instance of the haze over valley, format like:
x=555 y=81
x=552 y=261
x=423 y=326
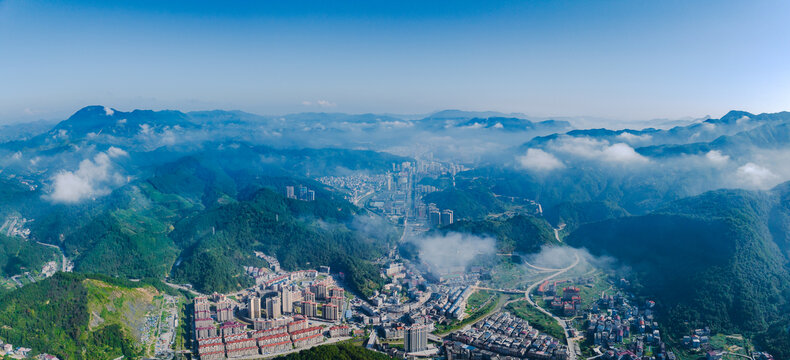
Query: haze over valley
x=408 y=180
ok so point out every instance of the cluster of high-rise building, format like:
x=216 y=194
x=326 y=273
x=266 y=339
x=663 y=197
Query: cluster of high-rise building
x=398 y=193
x=280 y=308
x=218 y=339
x=320 y=300
x=304 y=194
x=437 y=217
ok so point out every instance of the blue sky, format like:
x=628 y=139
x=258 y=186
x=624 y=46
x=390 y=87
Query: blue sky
x=626 y=60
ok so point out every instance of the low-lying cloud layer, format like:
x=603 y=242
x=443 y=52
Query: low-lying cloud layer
x=561 y=257
x=750 y=168
x=751 y=175
x=94 y=177
x=539 y=160
x=593 y=149
x=453 y=251
x=567 y=149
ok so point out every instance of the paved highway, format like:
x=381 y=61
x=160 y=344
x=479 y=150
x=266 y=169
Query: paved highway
x=570 y=342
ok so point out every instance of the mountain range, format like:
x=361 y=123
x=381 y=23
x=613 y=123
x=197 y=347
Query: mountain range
x=698 y=214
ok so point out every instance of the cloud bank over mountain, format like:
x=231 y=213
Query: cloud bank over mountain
x=94 y=177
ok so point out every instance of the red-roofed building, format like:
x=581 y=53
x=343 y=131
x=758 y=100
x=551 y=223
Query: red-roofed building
x=339 y=330
x=278 y=347
x=308 y=340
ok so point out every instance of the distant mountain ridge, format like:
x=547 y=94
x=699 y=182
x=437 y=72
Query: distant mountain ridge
x=736 y=128
x=148 y=130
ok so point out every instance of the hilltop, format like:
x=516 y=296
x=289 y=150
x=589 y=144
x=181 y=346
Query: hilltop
x=77 y=316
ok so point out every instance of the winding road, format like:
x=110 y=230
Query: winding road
x=64 y=263
x=570 y=342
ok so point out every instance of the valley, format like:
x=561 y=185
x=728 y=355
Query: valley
x=411 y=180
x=418 y=245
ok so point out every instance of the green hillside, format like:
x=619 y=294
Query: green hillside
x=211 y=215
x=469 y=203
x=75 y=316
x=574 y=214
x=710 y=260
x=301 y=234
x=126 y=234
x=521 y=233
x=18 y=255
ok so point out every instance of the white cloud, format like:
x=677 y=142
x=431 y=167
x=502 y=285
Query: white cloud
x=396 y=124
x=742 y=120
x=633 y=138
x=168 y=137
x=498 y=125
x=115 y=152
x=17 y=155
x=476 y=125
x=320 y=103
x=71 y=188
x=593 y=149
x=453 y=251
x=539 y=160
x=326 y=103
x=145 y=129
x=755 y=176
x=716 y=157
x=93 y=178
x=622 y=153
x=578 y=146
x=108 y=111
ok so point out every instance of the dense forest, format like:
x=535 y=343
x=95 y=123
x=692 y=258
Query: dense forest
x=18 y=255
x=574 y=214
x=520 y=234
x=710 y=260
x=207 y=217
x=301 y=234
x=340 y=351
x=52 y=316
x=468 y=202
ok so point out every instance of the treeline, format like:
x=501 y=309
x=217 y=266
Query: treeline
x=342 y=351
